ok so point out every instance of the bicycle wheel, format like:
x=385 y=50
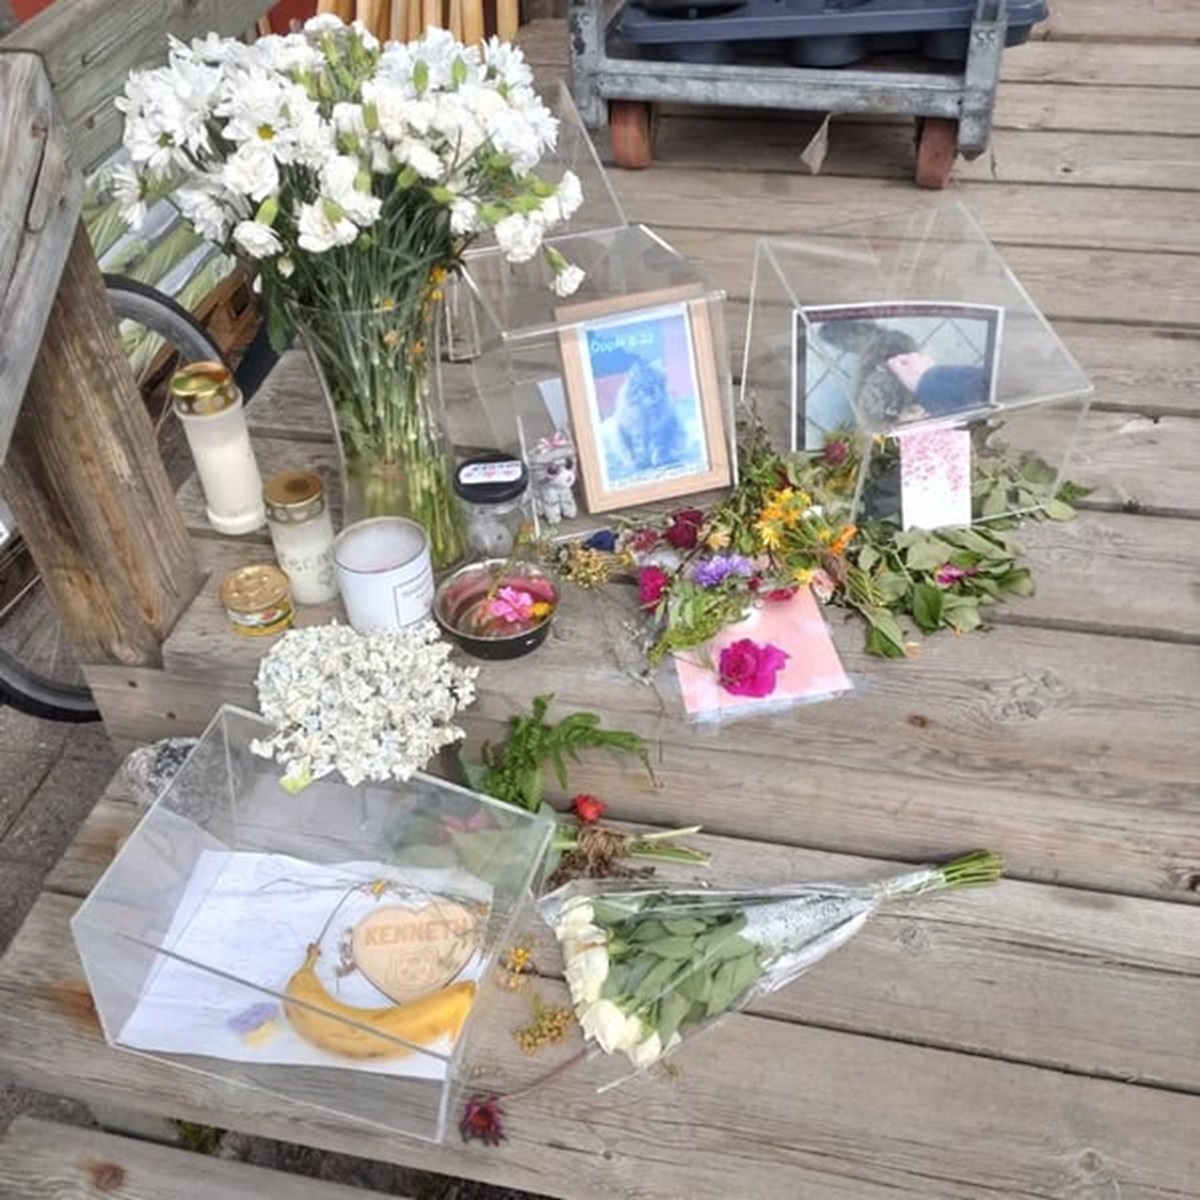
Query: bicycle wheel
x=38 y=673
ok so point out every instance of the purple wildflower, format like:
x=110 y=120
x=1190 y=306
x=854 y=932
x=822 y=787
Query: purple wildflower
x=715 y=570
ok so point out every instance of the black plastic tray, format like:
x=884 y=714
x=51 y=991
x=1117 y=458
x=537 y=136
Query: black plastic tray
x=812 y=33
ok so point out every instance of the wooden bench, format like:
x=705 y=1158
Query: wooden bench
x=46 y=1160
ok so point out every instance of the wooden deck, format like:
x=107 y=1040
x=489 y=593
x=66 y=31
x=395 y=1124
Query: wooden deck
x=1037 y=1039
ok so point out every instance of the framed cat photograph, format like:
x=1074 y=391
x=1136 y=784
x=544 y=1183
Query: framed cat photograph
x=643 y=393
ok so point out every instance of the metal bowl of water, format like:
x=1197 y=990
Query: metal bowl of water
x=497 y=608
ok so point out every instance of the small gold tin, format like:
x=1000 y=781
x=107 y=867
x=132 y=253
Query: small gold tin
x=257 y=600
x=203 y=389
x=293 y=497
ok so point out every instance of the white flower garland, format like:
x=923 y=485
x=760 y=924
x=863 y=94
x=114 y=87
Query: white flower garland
x=373 y=706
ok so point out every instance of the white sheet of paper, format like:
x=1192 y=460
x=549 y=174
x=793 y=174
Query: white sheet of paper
x=251 y=918
x=935 y=478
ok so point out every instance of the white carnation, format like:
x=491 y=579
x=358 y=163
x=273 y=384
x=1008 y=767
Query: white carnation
x=566 y=282
x=339 y=179
x=251 y=171
x=256 y=239
x=464 y=217
x=319 y=231
x=519 y=237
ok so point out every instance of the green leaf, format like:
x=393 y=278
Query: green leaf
x=995 y=502
x=656 y=980
x=1018 y=582
x=928 y=555
x=675 y=948
x=1058 y=510
x=890 y=585
x=868 y=556
x=964 y=617
x=884 y=626
x=671 y=1013
x=927 y=607
x=685 y=926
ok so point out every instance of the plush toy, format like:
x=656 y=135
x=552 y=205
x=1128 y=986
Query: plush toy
x=552 y=477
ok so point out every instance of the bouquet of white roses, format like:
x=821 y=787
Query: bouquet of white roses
x=354 y=175
x=646 y=966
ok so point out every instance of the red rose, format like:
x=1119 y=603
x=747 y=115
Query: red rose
x=652 y=582
x=780 y=593
x=749 y=669
x=684 y=530
x=588 y=810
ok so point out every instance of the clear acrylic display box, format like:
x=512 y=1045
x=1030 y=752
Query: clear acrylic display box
x=645 y=333
x=907 y=326
x=195 y=940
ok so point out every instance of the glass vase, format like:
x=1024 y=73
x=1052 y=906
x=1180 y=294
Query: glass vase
x=380 y=374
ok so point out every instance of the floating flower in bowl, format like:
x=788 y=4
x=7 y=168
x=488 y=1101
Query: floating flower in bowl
x=497 y=608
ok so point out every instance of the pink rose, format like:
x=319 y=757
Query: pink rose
x=652 y=582
x=749 y=669
x=948 y=574
x=684 y=530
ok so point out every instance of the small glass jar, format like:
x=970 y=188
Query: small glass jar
x=209 y=406
x=494 y=492
x=302 y=534
x=256 y=600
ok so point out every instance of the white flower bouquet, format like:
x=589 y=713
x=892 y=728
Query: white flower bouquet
x=372 y=706
x=647 y=966
x=353 y=175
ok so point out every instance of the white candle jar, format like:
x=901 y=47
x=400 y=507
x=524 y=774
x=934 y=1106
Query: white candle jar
x=209 y=406
x=384 y=573
x=302 y=534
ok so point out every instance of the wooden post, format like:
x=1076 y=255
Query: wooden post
x=85 y=482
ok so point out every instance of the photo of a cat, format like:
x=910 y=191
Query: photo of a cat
x=643 y=393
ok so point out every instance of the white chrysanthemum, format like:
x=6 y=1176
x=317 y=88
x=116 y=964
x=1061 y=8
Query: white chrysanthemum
x=519 y=237
x=321 y=227
x=291 y=52
x=506 y=64
x=256 y=239
x=130 y=193
x=204 y=207
x=373 y=706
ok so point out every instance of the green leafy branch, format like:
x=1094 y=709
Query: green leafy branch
x=514 y=770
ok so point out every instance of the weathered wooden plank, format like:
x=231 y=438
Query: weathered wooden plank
x=90 y=46
x=986 y=974
x=869 y=1119
x=1159 y=64
x=1153 y=370
x=45 y=1160
x=771 y=203
x=41 y=192
x=773 y=142
x=1101 y=20
x=1099 y=109
x=85 y=481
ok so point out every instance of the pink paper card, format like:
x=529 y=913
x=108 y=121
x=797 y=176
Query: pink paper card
x=813 y=670
x=935 y=478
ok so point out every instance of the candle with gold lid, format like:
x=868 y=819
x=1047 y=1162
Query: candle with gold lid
x=209 y=406
x=302 y=534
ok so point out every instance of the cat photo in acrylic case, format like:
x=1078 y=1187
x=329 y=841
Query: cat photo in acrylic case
x=644 y=398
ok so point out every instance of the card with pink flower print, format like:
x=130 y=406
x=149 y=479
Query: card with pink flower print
x=935 y=478
x=782 y=654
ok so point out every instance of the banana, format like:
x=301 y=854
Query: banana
x=325 y=1022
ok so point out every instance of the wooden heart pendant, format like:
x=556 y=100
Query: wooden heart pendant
x=406 y=952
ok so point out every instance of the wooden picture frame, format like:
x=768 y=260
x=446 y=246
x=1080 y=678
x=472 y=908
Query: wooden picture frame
x=643 y=393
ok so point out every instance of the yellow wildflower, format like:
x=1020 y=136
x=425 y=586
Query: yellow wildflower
x=540 y=609
x=802 y=576
x=718 y=539
x=769 y=534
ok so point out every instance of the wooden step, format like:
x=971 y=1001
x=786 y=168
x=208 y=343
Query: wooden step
x=43 y=1160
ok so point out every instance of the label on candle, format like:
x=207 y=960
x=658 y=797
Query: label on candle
x=414 y=597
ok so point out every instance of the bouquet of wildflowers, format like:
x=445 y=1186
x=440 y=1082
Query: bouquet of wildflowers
x=352 y=176
x=647 y=966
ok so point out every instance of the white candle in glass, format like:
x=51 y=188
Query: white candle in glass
x=209 y=406
x=302 y=534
